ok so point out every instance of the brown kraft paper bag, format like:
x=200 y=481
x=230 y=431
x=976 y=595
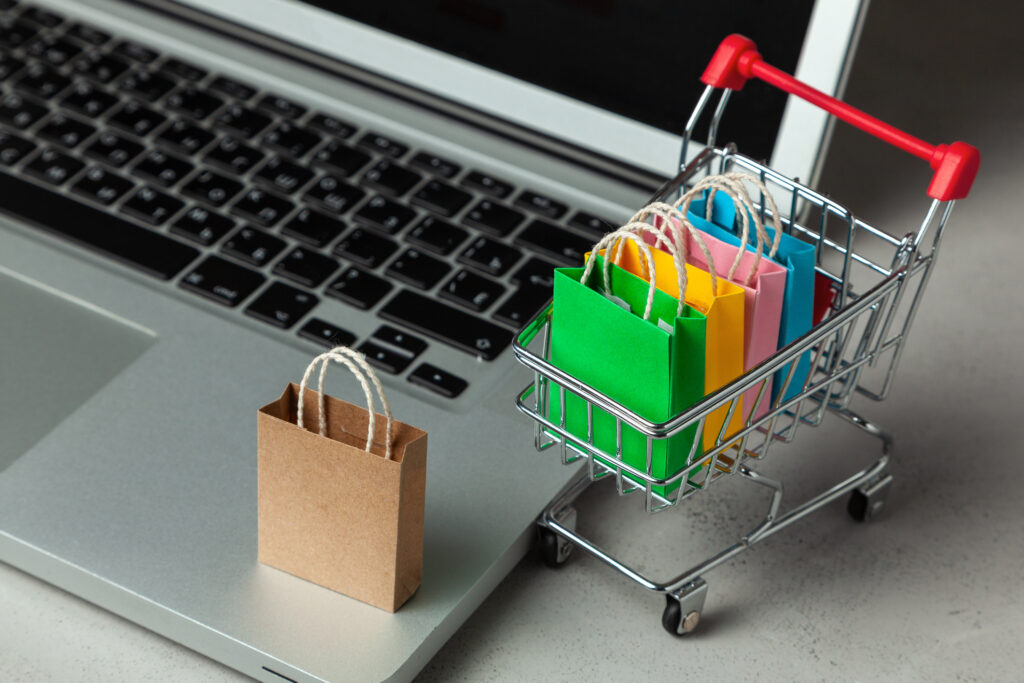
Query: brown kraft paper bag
x=334 y=509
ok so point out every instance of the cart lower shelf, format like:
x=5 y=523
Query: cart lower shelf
x=685 y=594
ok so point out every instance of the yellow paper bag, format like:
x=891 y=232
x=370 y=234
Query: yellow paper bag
x=724 y=311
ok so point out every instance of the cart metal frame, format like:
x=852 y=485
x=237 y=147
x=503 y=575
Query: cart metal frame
x=877 y=281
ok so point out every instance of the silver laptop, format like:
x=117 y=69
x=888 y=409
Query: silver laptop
x=196 y=197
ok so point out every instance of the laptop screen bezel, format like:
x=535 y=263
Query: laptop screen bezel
x=823 y=63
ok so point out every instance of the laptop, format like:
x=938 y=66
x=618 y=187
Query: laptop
x=196 y=197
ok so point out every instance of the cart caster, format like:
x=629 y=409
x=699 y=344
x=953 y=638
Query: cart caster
x=682 y=613
x=868 y=502
x=554 y=549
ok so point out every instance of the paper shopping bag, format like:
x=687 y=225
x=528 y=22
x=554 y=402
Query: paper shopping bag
x=723 y=307
x=797 y=257
x=650 y=361
x=333 y=509
x=763 y=283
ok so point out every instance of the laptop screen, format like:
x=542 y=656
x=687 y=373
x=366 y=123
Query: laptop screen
x=641 y=59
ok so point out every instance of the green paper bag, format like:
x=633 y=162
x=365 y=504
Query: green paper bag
x=636 y=362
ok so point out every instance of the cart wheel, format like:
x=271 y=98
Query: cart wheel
x=868 y=502
x=554 y=549
x=673 y=619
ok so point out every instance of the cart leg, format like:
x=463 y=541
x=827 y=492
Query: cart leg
x=684 y=607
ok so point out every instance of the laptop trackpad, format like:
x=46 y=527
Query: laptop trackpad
x=55 y=353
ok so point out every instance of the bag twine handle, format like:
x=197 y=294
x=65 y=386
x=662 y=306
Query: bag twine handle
x=675 y=221
x=357 y=365
x=644 y=249
x=678 y=256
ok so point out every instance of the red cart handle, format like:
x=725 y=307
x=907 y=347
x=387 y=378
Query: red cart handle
x=737 y=60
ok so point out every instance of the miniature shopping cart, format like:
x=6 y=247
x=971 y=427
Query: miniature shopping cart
x=872 y=282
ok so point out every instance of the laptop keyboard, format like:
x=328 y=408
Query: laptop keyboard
x=266 y=206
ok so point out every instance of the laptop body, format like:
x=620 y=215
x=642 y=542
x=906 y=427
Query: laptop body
x=127 y=469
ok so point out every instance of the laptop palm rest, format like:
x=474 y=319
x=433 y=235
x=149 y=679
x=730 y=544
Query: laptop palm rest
x=57 y=352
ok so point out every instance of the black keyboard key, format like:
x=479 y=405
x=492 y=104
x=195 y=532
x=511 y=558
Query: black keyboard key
x=493 y=258
x=545 y=206
x=536 y=272
x=358 y=288
x=202 y=225
x=212 y=188
x=87 y=99
x=113 y=149
x=417 y=269
x=591 y=224
x=101 y=185
x=103 y=68
x=322 y=332
x=90 y=35
x=161 y=167
x=234 y=155
x=43 y=81
x=494 y=218
x=242 y=120
x=15 y=32
x=42 y=17
x=388 y=177
x=253 y=246
x=96 y=229
x=260 y=206
x=306 y=267
x=190 y=72
x=384 y=214
x=53 y=167
x=437 y=380
x=332 y=126
x=9 y=65
x=313 y=227
x=333 y=194
x=135 y=52
x=441 y=198
x=435 y=164
x=437 y=235
x=523 y=305
x=13 y=148
x=186 y=136
x=384 y=359
x=383 y=145
x=365 y=248
x=193 y=102
x=53 y=50
x=232 y=88
x=19 y=111
x=137 y=118
x=487 y=183
x=473 y=291
x=449 y=325
x=152 y=206
x=282 y=106
x=340 y=158
x=222 y=281
x=554 y=242
x=65 y=131
x=291 y=139
x=148 y=85
x=281 y=305
x=409 y=343
x=283 y=175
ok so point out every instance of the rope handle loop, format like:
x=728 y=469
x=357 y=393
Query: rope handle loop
x=358 y=366
x=645 y=250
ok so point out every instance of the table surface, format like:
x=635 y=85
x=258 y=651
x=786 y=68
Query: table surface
x=932 y=591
